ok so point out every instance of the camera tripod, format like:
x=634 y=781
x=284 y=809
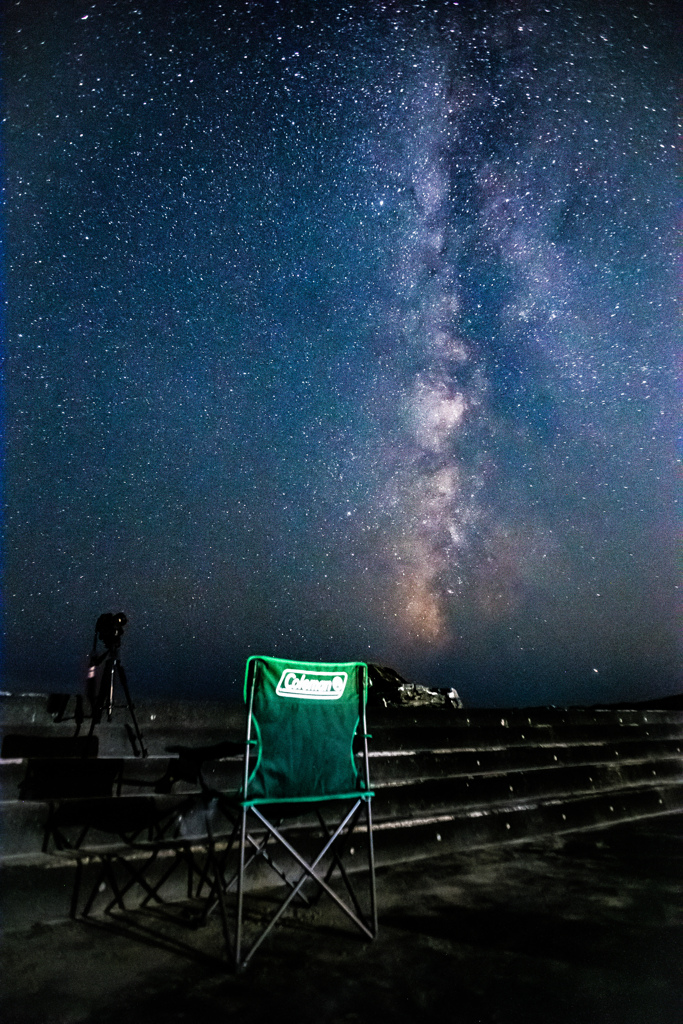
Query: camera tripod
x=109 y=629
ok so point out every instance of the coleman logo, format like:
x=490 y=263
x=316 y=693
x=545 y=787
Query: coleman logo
x=311 y=685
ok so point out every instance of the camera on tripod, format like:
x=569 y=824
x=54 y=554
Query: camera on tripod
x=104 y=671
x=109 y=629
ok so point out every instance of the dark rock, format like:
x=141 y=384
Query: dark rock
x=391 y=690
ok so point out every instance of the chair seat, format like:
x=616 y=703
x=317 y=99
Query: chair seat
x=297 y=801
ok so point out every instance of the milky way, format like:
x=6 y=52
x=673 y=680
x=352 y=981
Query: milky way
x=343 y=331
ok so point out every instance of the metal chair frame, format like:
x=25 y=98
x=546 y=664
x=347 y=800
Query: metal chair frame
x=334 y=844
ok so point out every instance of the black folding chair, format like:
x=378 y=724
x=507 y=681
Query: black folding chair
x=17 y=746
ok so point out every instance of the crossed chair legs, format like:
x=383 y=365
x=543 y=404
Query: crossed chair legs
x=141 y=838
x=212 y=877
x=136 y=876
x=251 y=847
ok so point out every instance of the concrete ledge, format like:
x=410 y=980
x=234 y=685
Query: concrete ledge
x=445 y=779
x=39 y=887
x=401 y=767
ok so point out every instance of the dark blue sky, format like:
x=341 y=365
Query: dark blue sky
x=343 y=330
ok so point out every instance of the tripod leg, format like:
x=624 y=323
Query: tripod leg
x=78 y=714
x=111 y=665
x=129 y=703
x=96 y=708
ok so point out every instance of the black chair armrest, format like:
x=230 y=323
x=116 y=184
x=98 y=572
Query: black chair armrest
x=187 y=767
x=227 y=748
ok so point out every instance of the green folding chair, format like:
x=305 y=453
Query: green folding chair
x=306 y=755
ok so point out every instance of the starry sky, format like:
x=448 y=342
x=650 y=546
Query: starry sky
x=343 y=330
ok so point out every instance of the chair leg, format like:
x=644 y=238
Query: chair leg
x=76 y=891
x=371 y=863
x=118 y=891
x=337 y=862
x=135 y=874
x=240 y=891
x=309 y=871
x=110 y=874
x=102 y=874
x=260 y=851
x=212 y=873
x=219 y=884
x=153 y=890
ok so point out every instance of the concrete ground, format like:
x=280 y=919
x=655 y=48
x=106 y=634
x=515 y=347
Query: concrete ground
x=586 y=930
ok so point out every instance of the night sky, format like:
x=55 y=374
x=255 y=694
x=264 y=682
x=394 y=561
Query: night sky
x=343 y=330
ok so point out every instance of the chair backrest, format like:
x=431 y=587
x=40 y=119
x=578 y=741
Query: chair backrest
x=302 y=718
x=15 y=746
x=50 y=778
x=128 y=818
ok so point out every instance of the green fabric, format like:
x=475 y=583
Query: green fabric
x=283 y=801
x=304 y=719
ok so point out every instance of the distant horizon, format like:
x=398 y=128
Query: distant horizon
x=237 y=702
x=632 y=690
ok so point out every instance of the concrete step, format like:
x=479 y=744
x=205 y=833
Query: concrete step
x=450 y=737
x=442 y=776
x=506 y=718
x=389 y=767
x=402 y=802
x=33 y=709
x=114 y=740
x=172 y=722
x=38 y=887
x=24 y=821
x=431 y=834
x=406 y=767
x=407 y=737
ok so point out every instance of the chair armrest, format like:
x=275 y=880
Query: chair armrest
x=227 y=748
